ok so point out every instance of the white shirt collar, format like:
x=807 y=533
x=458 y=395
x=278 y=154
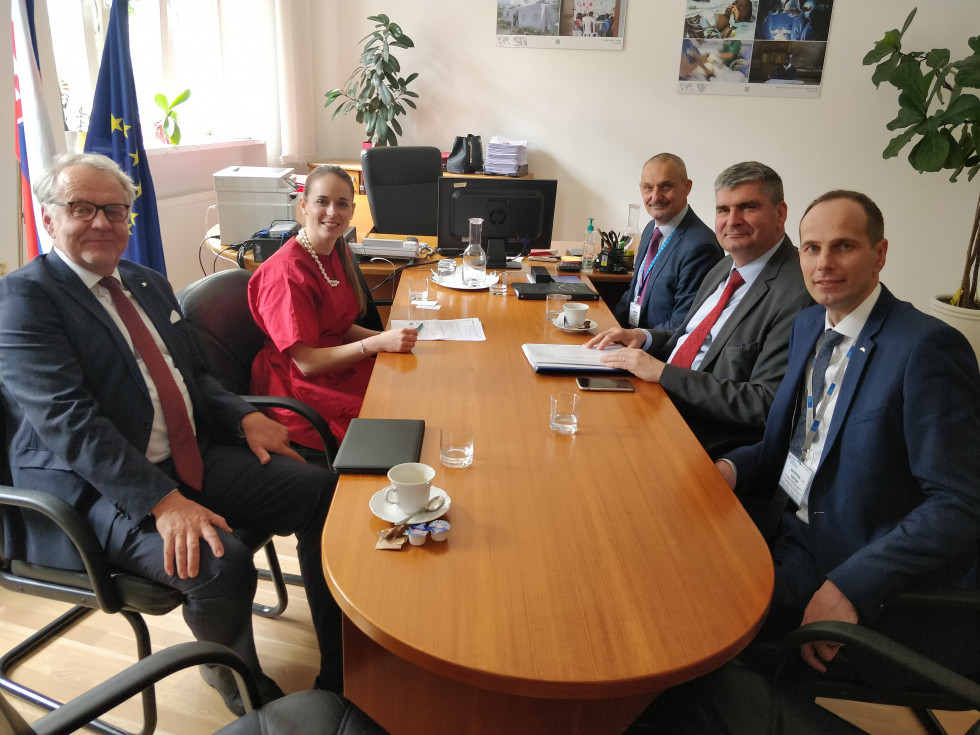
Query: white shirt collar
x=751 y=271
x=90 y=279
x=852 y=324
x=669 y=227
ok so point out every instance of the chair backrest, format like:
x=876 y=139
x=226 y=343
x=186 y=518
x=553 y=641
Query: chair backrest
x=401 y=183
x=229 y=339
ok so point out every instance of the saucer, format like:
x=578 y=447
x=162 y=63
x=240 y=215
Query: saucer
x=392 y=513
x=559 y=322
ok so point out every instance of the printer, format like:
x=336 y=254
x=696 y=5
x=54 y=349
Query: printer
x=251 y=198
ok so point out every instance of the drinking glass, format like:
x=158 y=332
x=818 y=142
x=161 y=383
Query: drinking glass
x=418 y=287
x=554 y=304
x=499 y=288
x=456 y=445
x=564 y=412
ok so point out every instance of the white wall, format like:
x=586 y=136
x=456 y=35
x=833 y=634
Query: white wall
x=593 y=117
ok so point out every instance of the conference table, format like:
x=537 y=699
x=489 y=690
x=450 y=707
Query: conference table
x=583 y=574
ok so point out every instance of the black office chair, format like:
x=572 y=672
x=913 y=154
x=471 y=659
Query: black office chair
x=402 y=187
x=98 y=587
x=313 y=712
x=217 y=309
x=937 y=687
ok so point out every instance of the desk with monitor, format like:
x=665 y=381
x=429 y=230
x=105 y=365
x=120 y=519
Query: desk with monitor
x=583 y=574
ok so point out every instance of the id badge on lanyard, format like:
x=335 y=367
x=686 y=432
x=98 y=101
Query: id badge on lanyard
x=635 y=307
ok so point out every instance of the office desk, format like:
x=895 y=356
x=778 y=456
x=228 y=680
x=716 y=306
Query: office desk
x=610 y=286
x=583 y=573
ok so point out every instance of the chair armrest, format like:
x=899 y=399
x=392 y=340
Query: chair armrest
x=308 y=413
x=78 y=531
x=884 y=648
x=144 y=673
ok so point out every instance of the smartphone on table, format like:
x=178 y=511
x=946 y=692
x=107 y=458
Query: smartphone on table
x=622 y=385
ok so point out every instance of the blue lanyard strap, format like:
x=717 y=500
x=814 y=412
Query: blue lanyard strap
x=646 y=274
x=815 y=417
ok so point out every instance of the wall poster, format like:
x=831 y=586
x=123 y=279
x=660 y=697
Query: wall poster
x=772 y=48
x=574 y=24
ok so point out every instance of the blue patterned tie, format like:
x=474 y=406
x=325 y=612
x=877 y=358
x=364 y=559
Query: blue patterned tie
x=820 y=364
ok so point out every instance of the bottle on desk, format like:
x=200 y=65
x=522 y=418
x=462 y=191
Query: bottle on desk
x=589 y=248
x=474 y=259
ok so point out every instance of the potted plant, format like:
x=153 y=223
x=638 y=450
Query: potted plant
x=374 y=88
x=167 y=130
x=937 y=110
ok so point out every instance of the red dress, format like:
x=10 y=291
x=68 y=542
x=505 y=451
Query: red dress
x=292 y=302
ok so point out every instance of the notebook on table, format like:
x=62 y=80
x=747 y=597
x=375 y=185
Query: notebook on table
x=374 y=446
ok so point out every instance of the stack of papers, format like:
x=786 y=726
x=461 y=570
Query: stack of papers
x=504 y=156
x=451 y=330
x=576 y=358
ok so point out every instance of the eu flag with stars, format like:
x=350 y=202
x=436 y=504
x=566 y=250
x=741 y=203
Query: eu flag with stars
x=114 y=130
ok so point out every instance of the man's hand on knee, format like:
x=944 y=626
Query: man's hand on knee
x=182 y=524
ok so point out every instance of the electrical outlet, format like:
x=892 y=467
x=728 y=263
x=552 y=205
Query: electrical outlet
x=3 y=268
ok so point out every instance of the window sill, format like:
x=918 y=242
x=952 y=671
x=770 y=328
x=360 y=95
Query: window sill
x=197 y=143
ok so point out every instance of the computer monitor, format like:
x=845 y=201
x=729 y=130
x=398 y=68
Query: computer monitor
x=518 y=215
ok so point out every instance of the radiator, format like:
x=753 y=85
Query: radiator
x=184 y=222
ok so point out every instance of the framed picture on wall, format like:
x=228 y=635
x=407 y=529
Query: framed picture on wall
x=772 y=48
x=575 y=24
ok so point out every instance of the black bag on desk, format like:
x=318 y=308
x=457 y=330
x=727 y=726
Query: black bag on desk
x=466 y=156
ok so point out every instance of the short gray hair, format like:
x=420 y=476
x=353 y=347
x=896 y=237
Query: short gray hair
x=46 y=187
x=751 y=172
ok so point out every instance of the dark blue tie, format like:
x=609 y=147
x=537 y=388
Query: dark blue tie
x=820 y=364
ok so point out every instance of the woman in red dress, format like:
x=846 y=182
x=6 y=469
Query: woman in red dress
x=306 y=298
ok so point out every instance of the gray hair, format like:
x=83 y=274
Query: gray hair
x=46 y=187
x=752 y=172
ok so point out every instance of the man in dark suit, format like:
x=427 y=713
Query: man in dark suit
x=879 y=467
x=676 y=250
x=737 y=329
x=96 y=415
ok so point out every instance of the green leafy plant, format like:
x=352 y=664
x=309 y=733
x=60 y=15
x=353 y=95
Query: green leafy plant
x=168 y=130
x=936 y=111
x=374 y=88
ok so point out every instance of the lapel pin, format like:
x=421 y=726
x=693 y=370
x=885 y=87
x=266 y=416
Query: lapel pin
x=862 y=349
x=143 y=284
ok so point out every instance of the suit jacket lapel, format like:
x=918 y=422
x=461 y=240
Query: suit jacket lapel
x=755 y=293
x=77 y=290
x=863 y=348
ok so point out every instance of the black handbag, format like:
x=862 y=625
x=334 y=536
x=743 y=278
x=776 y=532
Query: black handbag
x=466 y=156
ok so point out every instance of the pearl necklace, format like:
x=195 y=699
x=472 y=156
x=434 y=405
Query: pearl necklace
x=305 y=242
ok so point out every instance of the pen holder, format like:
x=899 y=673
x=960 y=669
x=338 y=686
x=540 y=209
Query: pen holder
x=613 y=262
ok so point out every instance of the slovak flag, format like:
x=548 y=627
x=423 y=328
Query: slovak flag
x=36 y=141
x=114 y=130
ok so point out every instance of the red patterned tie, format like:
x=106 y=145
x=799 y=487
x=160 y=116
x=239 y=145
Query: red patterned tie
x=183 y=445
x=685 y=355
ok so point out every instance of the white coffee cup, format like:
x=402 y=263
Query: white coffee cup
x=410 y=483
x=575 y=314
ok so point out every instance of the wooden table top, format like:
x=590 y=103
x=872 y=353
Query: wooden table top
x=609 y=563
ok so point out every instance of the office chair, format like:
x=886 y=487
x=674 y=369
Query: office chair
x=313 y=712
x=216 y=308
x=937 y=687
x=98 y=587
x=402 y=187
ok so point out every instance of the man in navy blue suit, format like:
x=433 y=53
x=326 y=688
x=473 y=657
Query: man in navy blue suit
x=89 y=420
x=865 y=480
x=667 y=276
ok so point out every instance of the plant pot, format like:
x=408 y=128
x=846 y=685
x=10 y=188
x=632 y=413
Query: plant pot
x=966 y=321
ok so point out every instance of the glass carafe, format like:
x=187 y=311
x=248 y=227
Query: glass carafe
x=474 y=259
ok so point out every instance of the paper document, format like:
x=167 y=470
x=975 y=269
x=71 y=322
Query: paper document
x=451 y=330
x=567 y=357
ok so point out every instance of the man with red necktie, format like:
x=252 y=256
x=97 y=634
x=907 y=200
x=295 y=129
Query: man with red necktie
x=109 y=408
x=722 y=366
